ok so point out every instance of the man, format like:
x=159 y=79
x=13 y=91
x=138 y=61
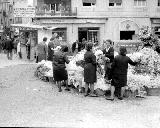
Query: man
x=76 y=47
x=42 y=50
x=9 y=47
x=50 y=49
x=109 y=54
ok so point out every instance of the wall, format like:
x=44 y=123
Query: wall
x=126 y=10
x=113 y=26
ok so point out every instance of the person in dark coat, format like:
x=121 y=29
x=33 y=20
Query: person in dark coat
x=50 y=49
x=42 y=50
x=119 y=70
x=9 y=47
x=59 y=69
x=76 y=47
x=108 y=51
x=90 y=76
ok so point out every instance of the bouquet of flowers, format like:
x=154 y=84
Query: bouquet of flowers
x=147 y=37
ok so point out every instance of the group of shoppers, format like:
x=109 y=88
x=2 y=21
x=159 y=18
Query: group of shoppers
x=115 y=67
x=10 y=46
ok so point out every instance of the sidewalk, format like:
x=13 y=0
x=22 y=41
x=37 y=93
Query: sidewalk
x=15 y=60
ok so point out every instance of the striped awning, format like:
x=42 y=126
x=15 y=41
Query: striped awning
x=89 y=1
x=115 y=1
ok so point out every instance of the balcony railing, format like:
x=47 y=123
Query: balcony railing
x=66 y=12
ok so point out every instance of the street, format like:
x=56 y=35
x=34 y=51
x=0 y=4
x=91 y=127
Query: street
x=26 y=101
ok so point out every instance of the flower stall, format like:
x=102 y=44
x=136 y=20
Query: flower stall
x=146 y=74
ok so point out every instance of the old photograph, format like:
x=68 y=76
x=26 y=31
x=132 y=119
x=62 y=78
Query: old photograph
x=80 y=63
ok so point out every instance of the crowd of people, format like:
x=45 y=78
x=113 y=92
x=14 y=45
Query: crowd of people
x=10 y=46
x=115 y=68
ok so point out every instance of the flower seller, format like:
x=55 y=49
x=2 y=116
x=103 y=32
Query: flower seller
x=119 y=70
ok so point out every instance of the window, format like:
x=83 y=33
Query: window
x=18 y=20
x=89 y=2
x=158 y=2
x=140 y=3
x=115 y=3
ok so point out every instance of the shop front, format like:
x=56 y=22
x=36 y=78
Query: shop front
x=155 y=22
x=28 y=35
x=90 y=34
x=70 y=30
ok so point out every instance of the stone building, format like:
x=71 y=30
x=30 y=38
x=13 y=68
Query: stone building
x=96 y=19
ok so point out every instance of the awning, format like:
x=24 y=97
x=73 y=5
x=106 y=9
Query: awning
x=115 y=1
x=49 y=27
x=28 y=26
x=89 y=1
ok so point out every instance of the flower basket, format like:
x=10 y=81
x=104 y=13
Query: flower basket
x=153 y=91
x=99 y=92
x=130 y=94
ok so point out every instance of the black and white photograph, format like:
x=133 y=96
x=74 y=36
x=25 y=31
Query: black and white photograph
x=80 y=63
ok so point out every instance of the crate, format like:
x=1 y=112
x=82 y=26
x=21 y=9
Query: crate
x=153 y=91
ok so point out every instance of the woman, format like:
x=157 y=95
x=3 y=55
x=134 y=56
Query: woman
x=119 y=72
x=90 y=76
x=59 y=69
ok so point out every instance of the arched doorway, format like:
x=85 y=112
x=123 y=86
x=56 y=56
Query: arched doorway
x=128 y=30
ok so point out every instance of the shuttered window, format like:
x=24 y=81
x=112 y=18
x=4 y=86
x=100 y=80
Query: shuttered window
x=89 y=2
x=140 y=3
x=115 y=2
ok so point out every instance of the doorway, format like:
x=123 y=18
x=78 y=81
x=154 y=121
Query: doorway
x=91 y=34
x=81 y=35
x=126 y=35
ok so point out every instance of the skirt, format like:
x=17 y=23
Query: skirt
x=60 y=74
x=119 y=80
x=90 y=75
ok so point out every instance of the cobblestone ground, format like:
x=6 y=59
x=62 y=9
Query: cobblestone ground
x=26 y=101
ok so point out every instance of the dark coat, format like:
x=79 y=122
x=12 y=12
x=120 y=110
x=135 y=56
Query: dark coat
x=109 y=53
x=59 y=60
x=8 y=44
x=59 y=71
x=90 y=67
x=42 y=51
x=119 y=70
x=107 y=67
x=50 y=51
x=74 y=46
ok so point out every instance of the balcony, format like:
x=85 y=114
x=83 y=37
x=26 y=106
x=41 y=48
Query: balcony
x=43 y=11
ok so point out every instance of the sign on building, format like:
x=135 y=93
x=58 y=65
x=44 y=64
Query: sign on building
x=24 y=12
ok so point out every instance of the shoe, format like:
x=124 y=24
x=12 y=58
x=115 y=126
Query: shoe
x=111 y=99
x=86 y=95
x=120 y=98
x=67 y=89
x=93 y=95
x=60 y=90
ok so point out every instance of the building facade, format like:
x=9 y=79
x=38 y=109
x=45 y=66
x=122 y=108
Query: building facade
x=96 y=20
x=6 y=15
